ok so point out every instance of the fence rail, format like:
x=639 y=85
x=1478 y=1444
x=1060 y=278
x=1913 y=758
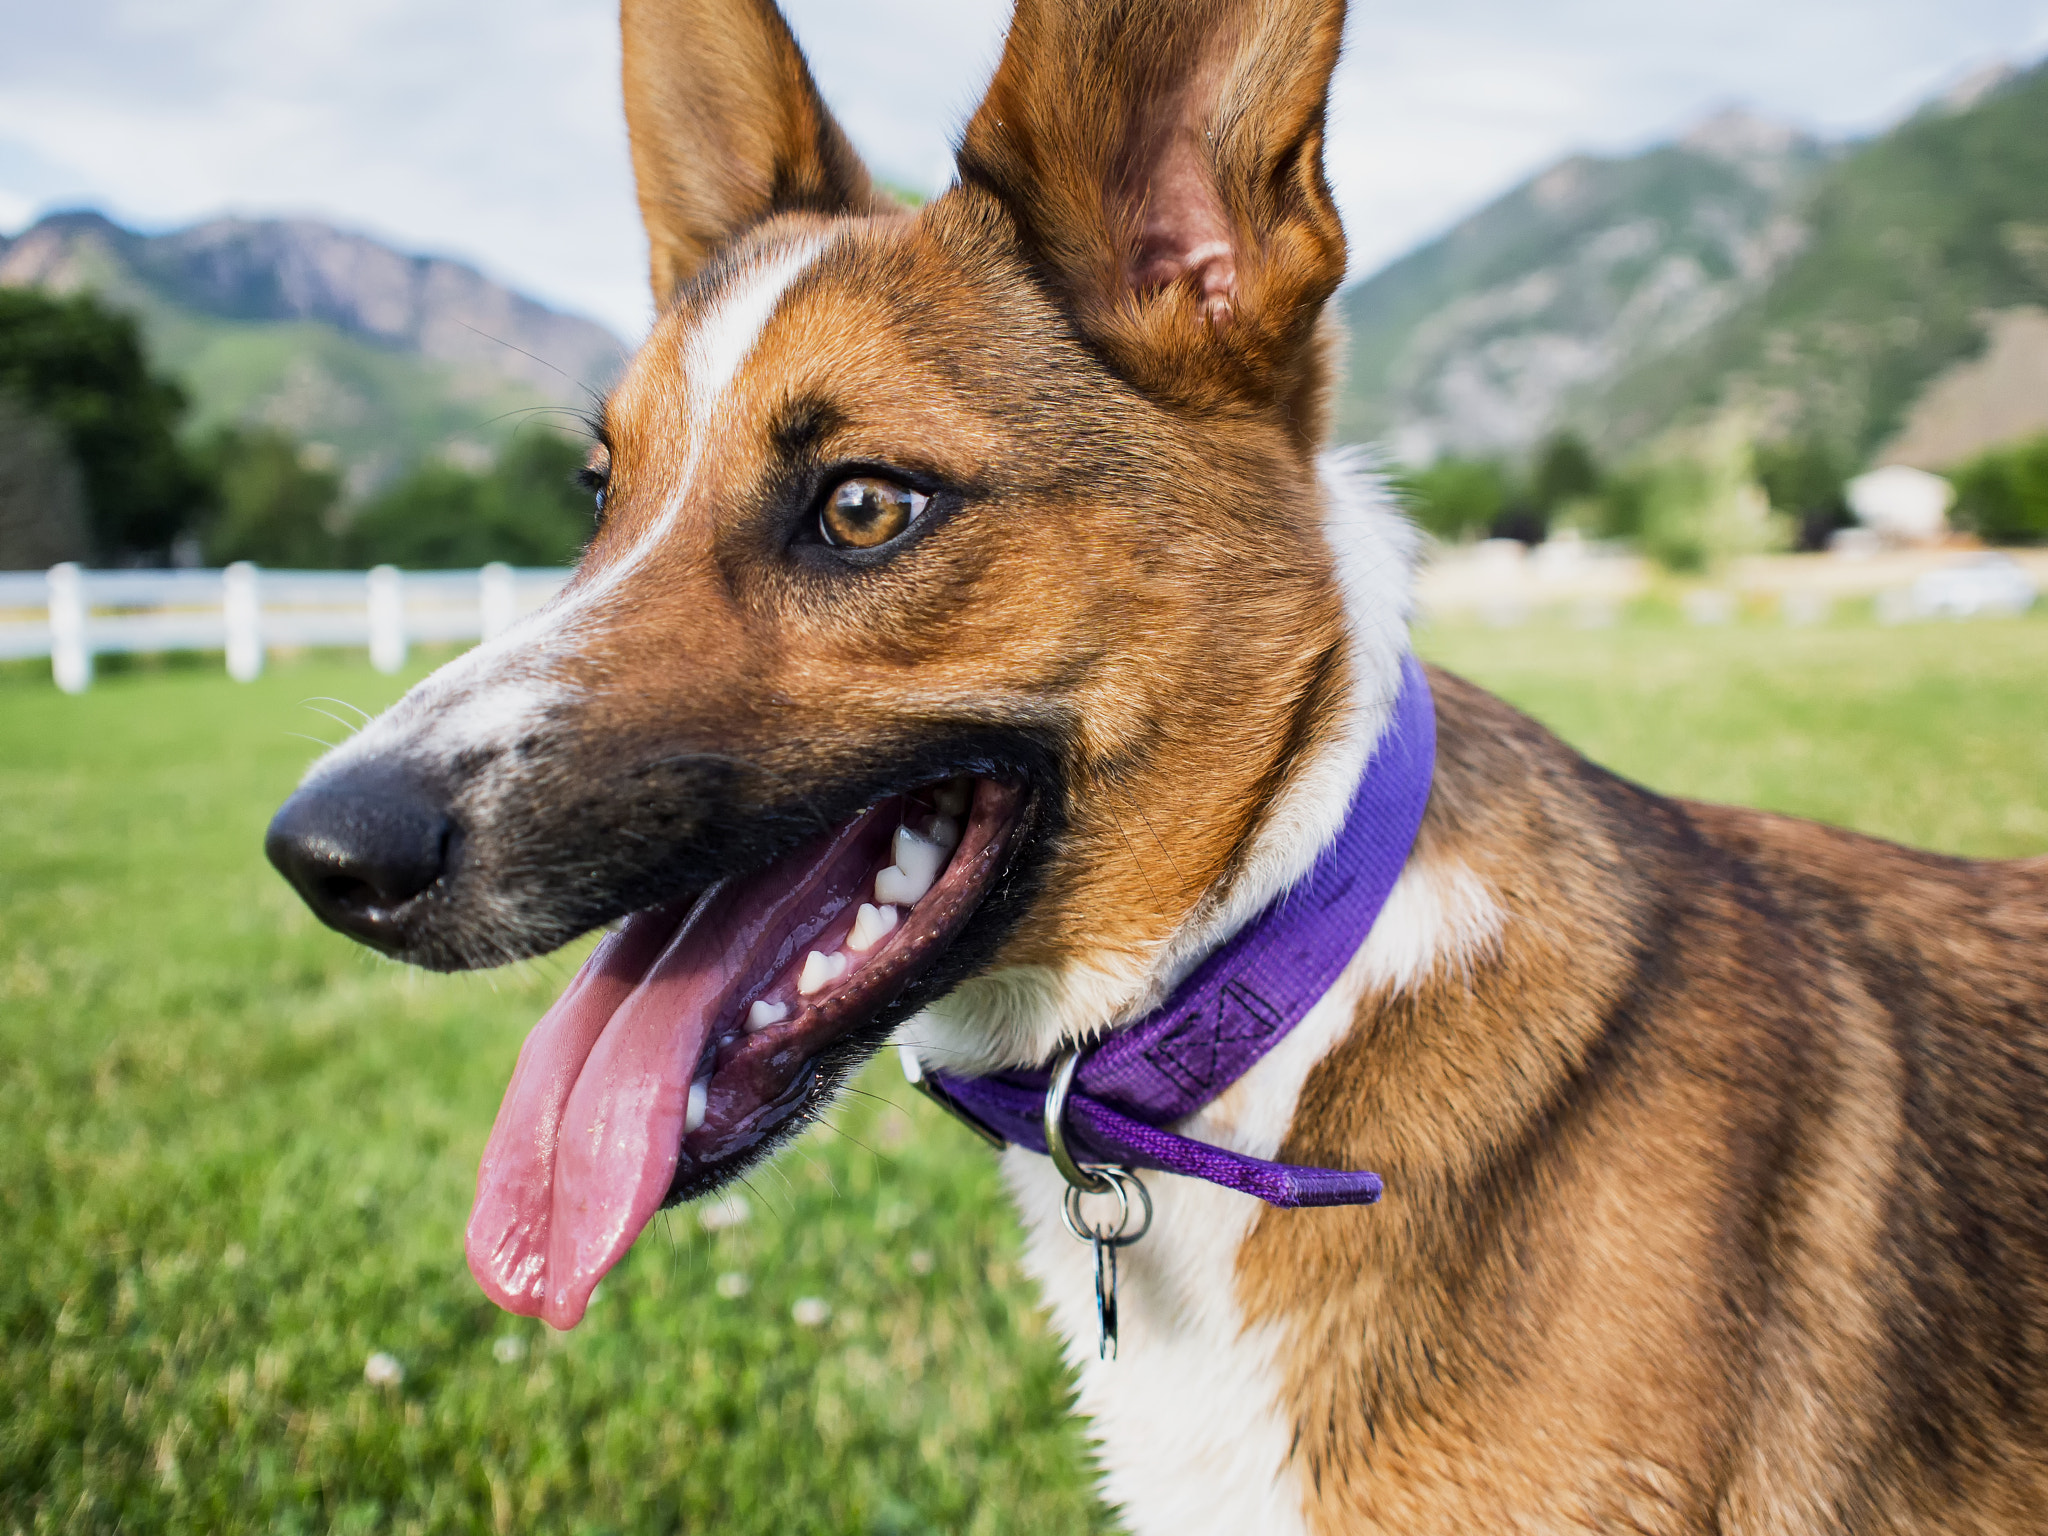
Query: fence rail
x=72 y=615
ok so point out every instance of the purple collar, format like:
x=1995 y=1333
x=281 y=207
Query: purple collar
x=1237 y=1004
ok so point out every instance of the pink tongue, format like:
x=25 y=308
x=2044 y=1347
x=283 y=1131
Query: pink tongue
x=586 y=1142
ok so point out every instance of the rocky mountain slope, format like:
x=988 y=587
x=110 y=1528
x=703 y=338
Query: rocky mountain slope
x=1887 y=299
x=1916 y=292
x=1477 y=342
x=375 y=357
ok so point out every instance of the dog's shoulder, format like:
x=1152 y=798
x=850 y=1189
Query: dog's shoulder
x=1933 y=937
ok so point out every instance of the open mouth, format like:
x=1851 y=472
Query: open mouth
x=694 y=1031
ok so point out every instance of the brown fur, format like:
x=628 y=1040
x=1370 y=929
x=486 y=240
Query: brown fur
x=1715 y=1194
x=1101 y=657
x=728 y=130
x=1057 y=601
x=1714 y=1190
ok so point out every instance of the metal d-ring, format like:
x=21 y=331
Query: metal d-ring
x=1083 y=1180
x=1121 y=1181
x=1089 y=1181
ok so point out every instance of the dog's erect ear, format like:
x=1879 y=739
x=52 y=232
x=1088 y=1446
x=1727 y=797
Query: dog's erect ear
x=1163 y=160
x=727 y=128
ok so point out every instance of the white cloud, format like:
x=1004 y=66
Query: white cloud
x=494 y=131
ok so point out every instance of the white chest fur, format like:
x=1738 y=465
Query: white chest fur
x=1190 y=1430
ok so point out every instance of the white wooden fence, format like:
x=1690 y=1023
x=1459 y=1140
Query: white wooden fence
x=71 y=615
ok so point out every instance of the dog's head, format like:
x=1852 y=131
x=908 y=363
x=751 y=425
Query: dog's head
x=960 y=604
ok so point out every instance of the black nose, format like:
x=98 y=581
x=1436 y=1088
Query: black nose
x=359 y=845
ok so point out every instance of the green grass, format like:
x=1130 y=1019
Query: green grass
x=236 y=1155
x=236 y=1152
x=1930 y=734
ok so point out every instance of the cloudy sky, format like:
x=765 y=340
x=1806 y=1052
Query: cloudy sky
x=491 y=129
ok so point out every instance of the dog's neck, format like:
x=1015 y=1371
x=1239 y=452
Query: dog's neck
x=1463 y=1020
x=1022 y=1016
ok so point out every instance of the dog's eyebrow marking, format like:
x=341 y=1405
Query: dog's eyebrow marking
x=722 y=342
x=717 y=347
x=800 y=423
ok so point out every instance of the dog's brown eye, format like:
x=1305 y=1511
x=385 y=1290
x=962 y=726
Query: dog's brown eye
x=596 y=477
x=867 y=513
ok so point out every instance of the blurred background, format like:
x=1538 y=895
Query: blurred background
x=1709 y=341
x=1670 y=275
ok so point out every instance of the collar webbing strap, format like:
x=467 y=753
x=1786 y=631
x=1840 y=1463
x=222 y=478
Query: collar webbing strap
x=1238 y=1003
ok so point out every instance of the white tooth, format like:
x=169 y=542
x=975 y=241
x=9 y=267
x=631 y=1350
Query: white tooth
x=916 y=870
x=700 y=1102
x=764 y=1015
x=909 y=846
x=894 y=887
x=820 y=971
x=870 y=926
x=946 y=833
x=954 y=796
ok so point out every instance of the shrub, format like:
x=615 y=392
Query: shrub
x=1565 y=473
x=525 y=510
x=1803 y=479
x=1458 y=498
x=1694 y=504
x=2003 y=495
x=271 y=504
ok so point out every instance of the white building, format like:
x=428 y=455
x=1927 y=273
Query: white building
x=1902 y=505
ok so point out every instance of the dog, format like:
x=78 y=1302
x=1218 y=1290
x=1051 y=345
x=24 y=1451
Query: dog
x=976 y=640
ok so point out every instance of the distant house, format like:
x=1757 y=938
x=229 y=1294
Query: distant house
x=1902 y=505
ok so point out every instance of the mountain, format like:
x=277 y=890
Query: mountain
x=1886 y=300
x=1477 y=342
x=376 y=358
x=1909 y=323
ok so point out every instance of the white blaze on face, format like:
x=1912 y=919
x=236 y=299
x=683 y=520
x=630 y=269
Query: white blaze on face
x=489 y=697
x=715 y=350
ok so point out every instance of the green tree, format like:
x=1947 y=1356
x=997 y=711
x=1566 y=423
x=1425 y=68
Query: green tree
x=526 y=510
x=1565 y=472
x=1699 y=504
x=82 y=367
x=1457 y=498
x=270 y=504
x=2003 y=495
x=1622 y=504
x=42 y=495
x=1804 y=478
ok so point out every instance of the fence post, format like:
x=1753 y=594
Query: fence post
x=70 y=653
x=498 y=597
x=387 y=618
x=241 y=610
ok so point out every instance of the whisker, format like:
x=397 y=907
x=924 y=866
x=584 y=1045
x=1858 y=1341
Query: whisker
x=1162 y=844
x=580 y=418
x=840 y=1130
x=331 y=715
x=322 y=698
x=830 y=1183
x=595 y=397
x=1138 y=863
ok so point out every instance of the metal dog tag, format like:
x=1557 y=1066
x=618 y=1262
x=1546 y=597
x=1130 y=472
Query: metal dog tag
x=1105 y=1238
x=1084 y=1179
x=1105 y=1296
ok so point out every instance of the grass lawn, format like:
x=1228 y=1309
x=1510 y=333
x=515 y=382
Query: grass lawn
x=237 y=1152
